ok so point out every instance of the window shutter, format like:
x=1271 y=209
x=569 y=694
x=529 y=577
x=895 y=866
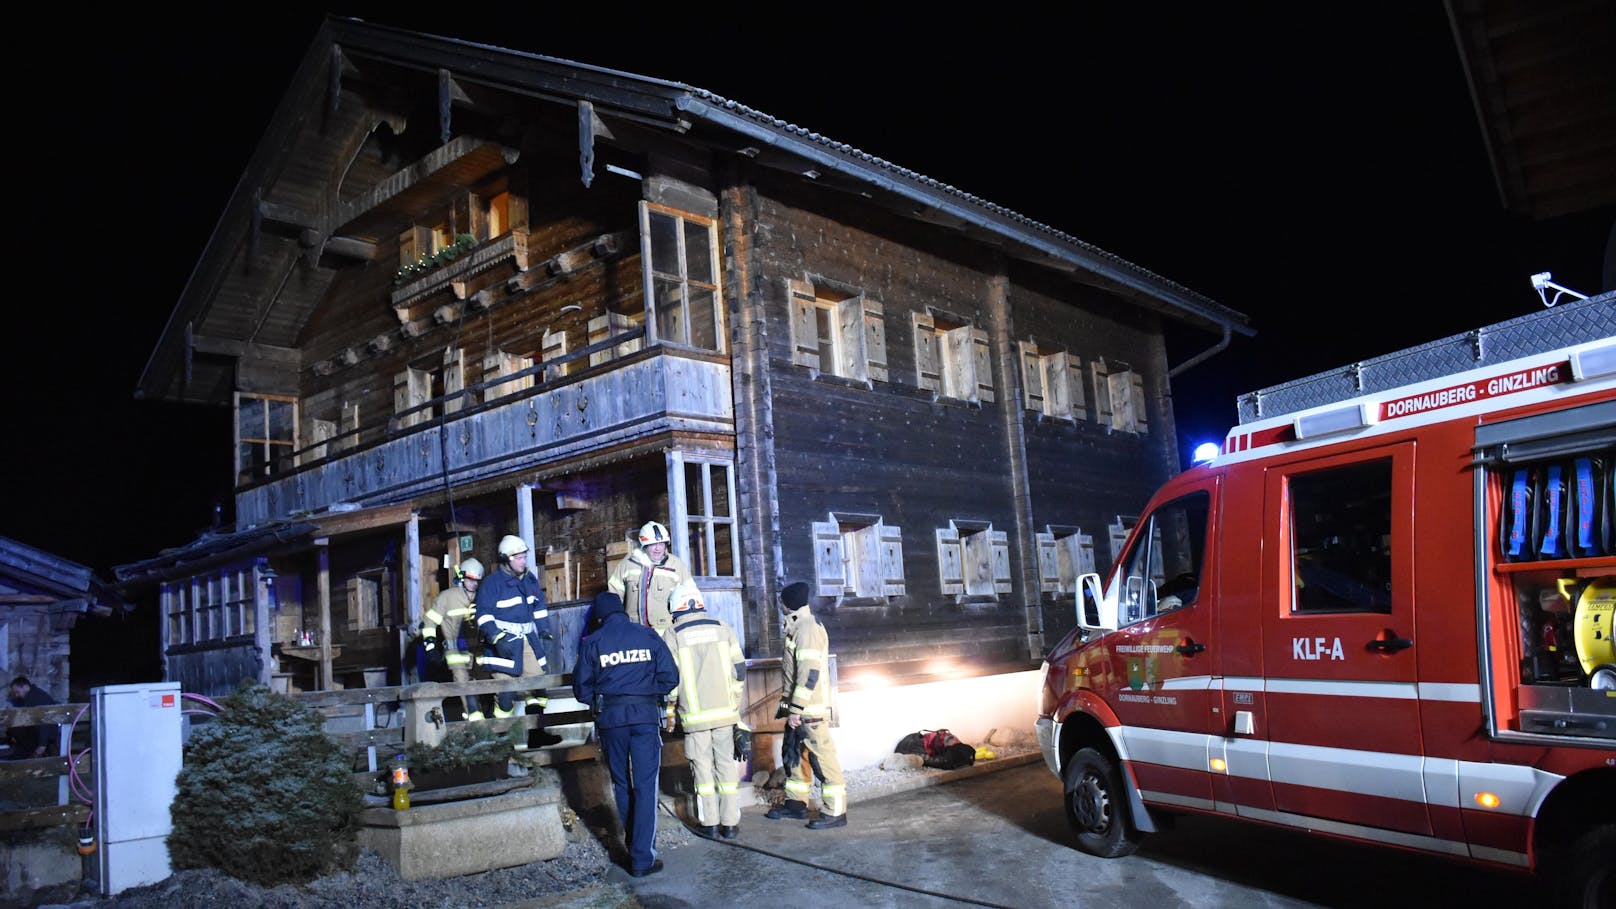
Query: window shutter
x=1084 y=546
x=553 y=345
x=558 y=576
x=412 y=387
x=875 y=339
x=1032 y=377
x=356 y=600
x=615 y=554
x=926 y=352
x=981 y=366
x=1074 y=386
x=1141 y=416
x=891 y=561
x=499 y=363
x=950 y=561
x=830 y=569
x=1118 y=533
x=320 y=431
x=600 y=328
x=1059 y=385
x=804 y=335
x=1049 y=579
x=868 y=579
x=850 y=338
x=454 y=379
x=610 y=326
x=1120 y=385
x=1102 y=393
x=350 y=424
x=1000 y=541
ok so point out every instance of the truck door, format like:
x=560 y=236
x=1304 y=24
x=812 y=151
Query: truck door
x=1164 y=658
x=1339 y=642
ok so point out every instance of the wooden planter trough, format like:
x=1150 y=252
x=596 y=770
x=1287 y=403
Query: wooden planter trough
x=466 y=829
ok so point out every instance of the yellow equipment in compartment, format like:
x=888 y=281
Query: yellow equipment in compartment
x=1592 y=631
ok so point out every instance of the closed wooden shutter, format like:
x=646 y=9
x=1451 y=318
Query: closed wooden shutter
x=559 y=569
x=1032 y=376
x=981 y=365
x=958 y=365
x=319 y=432
x=615 y=554
x=927 y=356
x=1117 y=533
x=830 y=568
x=868 y=579
x=1102 y=392
x=350 y=425
x=1000 y=542
x=1120 y=384
x=1141 y=414
x=1074 y=386
x=804 y=333
x=499 y=363
x=875 y=339
x=892 y=582
x=411 y=388
x=950 y=561
x=552 y=346
x=1083 y=545
x=454 y=380
x=850 y=339
x=1049 y=574
x=1059 y=385
x=610 y=326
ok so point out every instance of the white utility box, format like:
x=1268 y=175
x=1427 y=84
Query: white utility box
x=138 y=752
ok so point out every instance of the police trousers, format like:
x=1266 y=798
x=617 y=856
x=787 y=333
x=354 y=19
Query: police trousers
x=634 y=758
x=711 y=753
x=821 y=756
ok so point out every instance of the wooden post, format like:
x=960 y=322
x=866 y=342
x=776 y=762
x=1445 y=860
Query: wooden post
x=263 y=625
x=412 y=570
x=323 y=683
x=524 y=517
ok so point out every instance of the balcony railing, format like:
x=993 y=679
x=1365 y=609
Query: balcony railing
x=618 y=402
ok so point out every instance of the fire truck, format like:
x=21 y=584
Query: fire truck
x=1383 y=612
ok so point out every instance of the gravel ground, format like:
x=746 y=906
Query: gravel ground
x=374 y=884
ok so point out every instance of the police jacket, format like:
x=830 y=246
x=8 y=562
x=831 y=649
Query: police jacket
x=624 y=671
x=806 y=689
x=509 y=609
x=712 y=670
x=452 y=610
x=646 y=586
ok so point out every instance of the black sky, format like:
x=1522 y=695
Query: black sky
x=1323 y=174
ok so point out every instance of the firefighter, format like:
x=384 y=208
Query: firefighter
x=712 y=675
x=624 y=675
x=451 y=612
x=515 y=624
x=646 y=579
x=805 y=706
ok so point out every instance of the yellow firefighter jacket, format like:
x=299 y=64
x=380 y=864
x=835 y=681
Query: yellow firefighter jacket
x=806 y=688
x=646 y=587
x=712 y=670
x=451 y=610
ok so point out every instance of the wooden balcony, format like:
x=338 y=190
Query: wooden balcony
x=616 y=404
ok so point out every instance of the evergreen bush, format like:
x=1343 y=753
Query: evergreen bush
x=265 y=795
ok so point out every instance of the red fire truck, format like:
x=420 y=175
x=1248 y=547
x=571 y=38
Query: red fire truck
x=1383 y=612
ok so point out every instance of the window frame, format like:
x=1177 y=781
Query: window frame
x=869 y=551
x=973 y=560
x=1141 y=592
x=290 y=446
x=652 y=273
x=711 y=525
x=958 y=354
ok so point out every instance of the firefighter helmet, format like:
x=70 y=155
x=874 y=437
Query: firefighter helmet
x=470 y=568
x=653 y=532
x=686 y=597
x=511 y=545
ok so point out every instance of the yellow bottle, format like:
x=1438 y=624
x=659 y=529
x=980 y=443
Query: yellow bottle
x=401 y=784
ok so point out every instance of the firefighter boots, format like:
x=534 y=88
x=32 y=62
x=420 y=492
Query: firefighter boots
x=826 y=821
x=789 y=809
x=729 y=831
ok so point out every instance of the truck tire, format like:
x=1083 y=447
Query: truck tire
x=1586 y=876
x=1096 y=806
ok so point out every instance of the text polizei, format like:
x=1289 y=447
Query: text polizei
x=640 y=655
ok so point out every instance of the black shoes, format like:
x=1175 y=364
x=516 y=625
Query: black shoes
x=729 y=831
x=827 y=821
x=708 y=831
x=789 y=809
x=655 y=867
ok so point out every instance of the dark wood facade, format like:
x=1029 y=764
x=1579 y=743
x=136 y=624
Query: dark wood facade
x=565 y=301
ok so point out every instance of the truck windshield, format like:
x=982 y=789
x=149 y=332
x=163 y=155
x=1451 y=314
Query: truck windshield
x=1162 y=571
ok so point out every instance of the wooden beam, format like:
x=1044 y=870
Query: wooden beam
x=325 y=614
x=352 y=248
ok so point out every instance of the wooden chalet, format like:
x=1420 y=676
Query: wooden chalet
x=42 y=596
x=463 y=291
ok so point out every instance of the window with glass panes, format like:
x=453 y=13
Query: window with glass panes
x=681 y=276
x=709 y=508
x=266 y=435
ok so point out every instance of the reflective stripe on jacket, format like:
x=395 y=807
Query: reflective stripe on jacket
x=646 y=587
x=514 y=607
x=452 y=610
x=806 y=685
x=712 y=670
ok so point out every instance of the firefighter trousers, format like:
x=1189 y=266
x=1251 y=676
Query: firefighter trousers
x=711 y=753
x=505 y=702
x=820 y=751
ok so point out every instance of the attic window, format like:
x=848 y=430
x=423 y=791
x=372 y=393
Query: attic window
x=266 y=435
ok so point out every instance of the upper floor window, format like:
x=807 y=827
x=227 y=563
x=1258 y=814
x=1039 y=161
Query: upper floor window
x=1119 y=397
x=1052 y=380
x=708 y=500
x=838 y=333
x=973 y=559
x=857 y=555
x=680 y=251
x=951 y=357
x=266 y=435
x=1064 y=555
x=470 y=219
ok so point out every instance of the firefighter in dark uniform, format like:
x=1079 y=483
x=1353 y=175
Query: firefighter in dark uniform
x=624 y=675
x=515 y=624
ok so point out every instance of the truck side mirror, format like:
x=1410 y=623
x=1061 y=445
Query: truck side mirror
x=1094 y=611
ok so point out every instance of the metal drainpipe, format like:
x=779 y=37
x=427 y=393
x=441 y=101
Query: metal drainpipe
x=1196 y=360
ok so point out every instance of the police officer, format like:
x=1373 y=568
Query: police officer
x=624 y=674
x=451 y=612
x=805 y=706
x=645 y=580
x=712 y=674
x=515 y=623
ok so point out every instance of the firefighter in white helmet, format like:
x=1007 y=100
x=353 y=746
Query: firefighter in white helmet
x=515 y=624
x=712 y=675
x=451 y=612
x=647 y=577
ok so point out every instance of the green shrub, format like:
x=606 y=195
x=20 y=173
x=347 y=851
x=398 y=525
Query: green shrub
x=265 y=795
x=465 y=744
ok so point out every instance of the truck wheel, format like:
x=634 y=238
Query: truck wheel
x=1587 y=878
x=1096 y=807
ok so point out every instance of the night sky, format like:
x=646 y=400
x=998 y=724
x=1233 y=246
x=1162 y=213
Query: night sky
x=1323 y=174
